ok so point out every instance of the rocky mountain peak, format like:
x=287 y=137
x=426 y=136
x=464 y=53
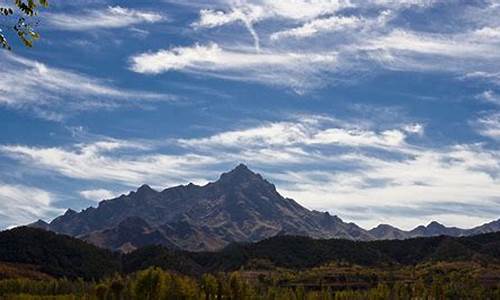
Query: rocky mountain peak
x=435 y=225
x=239 y=175
x=383 y=227
x=145 y=189
x=70 y=212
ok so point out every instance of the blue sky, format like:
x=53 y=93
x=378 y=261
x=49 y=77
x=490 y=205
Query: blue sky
x=377 y=111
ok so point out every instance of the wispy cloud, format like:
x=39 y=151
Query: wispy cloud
x=20 y=204
x=97 y=195
x=112 y=17
x=256 y=11
x=53 y=93
x=489 y=96
x=279 y=68
x=210 y=18
x=123 y=162
x=489 y=125
x=408 y=50
x=317 y=26
x=363 y=35
x=308 y=131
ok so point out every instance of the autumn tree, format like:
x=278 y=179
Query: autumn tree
x=20 y=19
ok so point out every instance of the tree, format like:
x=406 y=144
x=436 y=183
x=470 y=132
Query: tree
x=19 y=16
x=117 y=287
x=209 y=286
x=150 y=284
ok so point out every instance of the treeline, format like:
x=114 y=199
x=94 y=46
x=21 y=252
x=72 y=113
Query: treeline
x=156 y=284
x=295 y=252
x=57 y=255
x=63 y=256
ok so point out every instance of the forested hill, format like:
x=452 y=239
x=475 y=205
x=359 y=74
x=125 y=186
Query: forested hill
x=57 y=255
x=63 y=256
x=302 y=252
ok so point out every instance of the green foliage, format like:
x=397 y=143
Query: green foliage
x=23 y=11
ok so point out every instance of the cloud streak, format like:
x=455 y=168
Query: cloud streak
x=97 y=161
x=97 y=195
x=489 y=125
x=112 y=17
x=364 y=36
x=53 y=93
x=279 y=68
x=20 y=204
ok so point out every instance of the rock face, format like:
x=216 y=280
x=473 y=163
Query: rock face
x=239 y=207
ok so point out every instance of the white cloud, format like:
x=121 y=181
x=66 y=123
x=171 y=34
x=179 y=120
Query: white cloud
x=251 y=12
x=488 y=32
x=459 y=174
x=491 y=77
x=414 y=128
x=316 y=26
x=21 y=204
x=255 y=11
x=400 y=4
x=489 y=96
x=432 y=44
x=459 y=53
x=211 y=18
x=306 y=131
x=213 y=57
x=280 y=68
x=110 y=161
x=52 y=93
x=303 y=9
x=367 y=36
x=97 y=195
x=112 y=17
x=489 y=126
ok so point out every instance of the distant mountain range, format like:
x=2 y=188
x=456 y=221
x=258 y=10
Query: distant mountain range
x=239 y=207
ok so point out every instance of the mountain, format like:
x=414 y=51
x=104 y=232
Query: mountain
x=486 y=228
x=241 y=206
x=388 y=232
x=384 y=231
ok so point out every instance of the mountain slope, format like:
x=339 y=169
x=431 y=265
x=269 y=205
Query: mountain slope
x=239 y=207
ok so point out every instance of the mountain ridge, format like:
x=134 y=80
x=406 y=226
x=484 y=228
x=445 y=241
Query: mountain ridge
x=241 y=206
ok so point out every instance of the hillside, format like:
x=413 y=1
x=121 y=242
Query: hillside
x=56 y=255
x=296 y=252
x=64 y=256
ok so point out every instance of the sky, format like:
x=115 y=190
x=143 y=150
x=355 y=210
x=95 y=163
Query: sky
x=378 y=111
